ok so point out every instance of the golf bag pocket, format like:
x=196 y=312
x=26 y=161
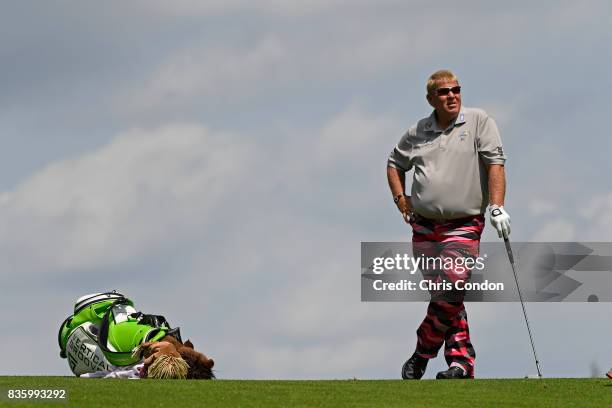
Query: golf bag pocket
x=83 y=353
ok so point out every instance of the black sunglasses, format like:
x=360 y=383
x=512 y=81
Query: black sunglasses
x=445 y=91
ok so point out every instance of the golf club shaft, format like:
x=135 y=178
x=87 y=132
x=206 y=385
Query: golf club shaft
x=518 y=288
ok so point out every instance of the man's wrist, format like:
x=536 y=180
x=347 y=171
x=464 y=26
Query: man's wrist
x=398 y=197
x=496 y=210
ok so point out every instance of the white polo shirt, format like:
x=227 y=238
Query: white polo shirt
x=450 y=177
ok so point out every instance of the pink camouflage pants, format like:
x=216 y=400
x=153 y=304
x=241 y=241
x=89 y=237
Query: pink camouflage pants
x=446 y=320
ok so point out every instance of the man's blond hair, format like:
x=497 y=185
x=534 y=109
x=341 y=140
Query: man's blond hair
x=168 y=367
x=443 y=74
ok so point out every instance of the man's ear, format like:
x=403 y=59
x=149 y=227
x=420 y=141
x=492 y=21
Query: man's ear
x=429 y=98
x=188 y=344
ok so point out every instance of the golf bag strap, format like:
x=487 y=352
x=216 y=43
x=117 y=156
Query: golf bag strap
x=59 y=336
x=103 y=338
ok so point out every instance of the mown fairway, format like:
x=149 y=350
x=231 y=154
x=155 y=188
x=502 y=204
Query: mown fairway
x=345 y=393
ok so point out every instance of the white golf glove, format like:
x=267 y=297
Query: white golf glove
x=500 y=220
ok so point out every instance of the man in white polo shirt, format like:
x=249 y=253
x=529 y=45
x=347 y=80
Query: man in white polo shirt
x=458 y=163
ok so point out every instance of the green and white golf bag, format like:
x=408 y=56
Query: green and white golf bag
x=104 y=331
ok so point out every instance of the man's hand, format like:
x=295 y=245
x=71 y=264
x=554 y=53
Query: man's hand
x=500 y=220
x=404 y=205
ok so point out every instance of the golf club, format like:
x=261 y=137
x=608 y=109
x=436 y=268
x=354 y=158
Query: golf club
x=518 y=288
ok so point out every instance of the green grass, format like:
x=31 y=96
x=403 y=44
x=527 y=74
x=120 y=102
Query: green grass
x=346 y=393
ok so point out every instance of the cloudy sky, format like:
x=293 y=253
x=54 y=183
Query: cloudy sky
x=220 y=162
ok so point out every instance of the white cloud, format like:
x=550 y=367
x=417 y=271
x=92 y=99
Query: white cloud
x=222 y=73
x=227 y=74
x=121 y=201
x=596 y=213
x=270 y=62
x=540 y=206
x=352 y=135
x=582 y=219
x=557 y=230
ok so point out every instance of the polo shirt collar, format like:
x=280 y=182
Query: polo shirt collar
x=432 y=125
x=461 y=118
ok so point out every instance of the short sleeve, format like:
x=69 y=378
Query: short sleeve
x=489 y=142
x=400 y=156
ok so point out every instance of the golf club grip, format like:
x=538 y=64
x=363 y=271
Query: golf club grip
x=509 y=250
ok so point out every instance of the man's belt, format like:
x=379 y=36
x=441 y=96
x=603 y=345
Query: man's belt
x=419 y=217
